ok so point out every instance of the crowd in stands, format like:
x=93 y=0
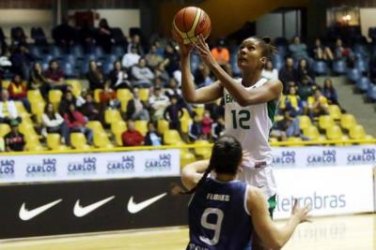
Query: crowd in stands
x=133 y=87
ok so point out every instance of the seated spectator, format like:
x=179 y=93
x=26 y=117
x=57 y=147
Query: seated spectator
x=173 y=113
x=18 y=91
x=285 y=128
x=63 y=34
x=158 y=102
x=136 y=43
x=142 y=76
x=132 y=137
x=76 y=122
x=343 y=52
x=172 y=59
x=91 y=110
x=136 y=109
x=206 y=124
x=322 y=53
x=161 y=74
x=19 y=37
x=291 y=102
x=152 y=137
x=305 y=90
x=55 y=76
x=54 y=123
x=67 y=99
x=95 y=76
x=14 y=140
x=131 y=58
x=38 y=81
x=304 y=70
x=153 y=59
x=218 y=128
x=21 y=60
x=119 y=77
x=195 y=129
x=220 y=53
x=108 y=98
x=269 y=71
x=87 y=36
x=202 y=76
x=298 y=50
x=330 y=92
x=288 y=73
x=103 y=36
x=317 y=105
x=8 y=110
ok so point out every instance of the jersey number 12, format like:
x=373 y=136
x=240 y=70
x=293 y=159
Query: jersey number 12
x=240 y=118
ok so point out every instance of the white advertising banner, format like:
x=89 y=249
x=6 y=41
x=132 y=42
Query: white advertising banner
x=91 y=166
x=328 y=190
x=324 y=156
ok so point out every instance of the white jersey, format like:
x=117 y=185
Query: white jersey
x=251 y=125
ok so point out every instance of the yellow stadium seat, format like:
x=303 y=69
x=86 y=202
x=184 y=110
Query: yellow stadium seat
x=144 y=94
x=27 y=128
x=184 y=124
x=199 y=109
x=54 y=96
x=294 y=141
x=312 y=133
x=97 y=93
x=76 y=86
x=34 y=96
x=33 y=143
x=37 y=108
x=141 y=126
x=185 y=114
x=348 y=121
x=202 y=148
x=335 y=133
x=112 y=115
x=118 y=127
x=124 y=95
x=162 y=126
x=96 y=126
x=186 y=158
x=4 y=129
x=304 y=122
x=335 y=112
x=78 y=141
x=54 y=142
x=5 y=84
x=357 y=132
x=325 y=121
x=101 y=140
x=171 y=137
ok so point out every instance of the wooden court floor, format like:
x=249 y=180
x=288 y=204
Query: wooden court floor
x=329 y=233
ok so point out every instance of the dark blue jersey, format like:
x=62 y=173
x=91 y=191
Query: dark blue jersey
x=218 y=217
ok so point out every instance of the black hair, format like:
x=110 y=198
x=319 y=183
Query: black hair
x=268 y=49
x=225 y=159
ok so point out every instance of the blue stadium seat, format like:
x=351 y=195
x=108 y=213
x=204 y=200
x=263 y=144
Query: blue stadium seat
x=320 y=68
x=339 y=67
x=55 y=51
x=69 y=58
x=69 y=70
x=371 y=93
x=98 y=52
x=118 y=50
x=77 y=51
x=354 y=75
x=361 y=65
x=278 y=61
x=36 y=51
x=362 y=84
x=195 y=61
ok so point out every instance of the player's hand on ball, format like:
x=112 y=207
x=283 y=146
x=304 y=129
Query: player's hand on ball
x=185 y=49
x=204 y=50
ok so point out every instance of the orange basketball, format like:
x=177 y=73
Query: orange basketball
x=189 y=23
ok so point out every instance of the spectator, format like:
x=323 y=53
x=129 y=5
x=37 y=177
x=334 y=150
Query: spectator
x=18 y=37
x=269 y=71
x=54 y=123
x=202 y=76
x=305 y=90
x=288 y=74
x=161 y=74
x=55 y=76
x=14 y=140
x=67 y=99
x=317 y=105
x=103 y=36
x=158 y=102
x=64 y=35
x=136 y=43
x=152 y=137
x=218 y=128
x=95 y=76
x=91 y=110
x=38 y=81
x=285 y=128
x=131 y=58
x=330 y=92
x=8 y=110
x=108 y=98
x=119 y=77
x=136 y=109
x=21 y=60
x=322 y=53
x=342 y=52
x=87 y=36
x=153 y=59
x=195 y=129
x=220 y=53
x=291 y=102
x=76 y=123
x=171 y=59
x=298 y=49
x=304 y=70
x=173 y=113
x=132 y=137
x=206 y=123
x=18 y=91
x=142 y=76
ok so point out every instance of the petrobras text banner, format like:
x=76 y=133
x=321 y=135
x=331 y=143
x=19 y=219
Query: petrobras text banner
x=91 y=166
x=328 y=190
x=324 y=156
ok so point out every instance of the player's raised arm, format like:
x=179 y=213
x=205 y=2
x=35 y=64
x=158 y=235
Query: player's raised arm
x=192 y=173
x=191 y=94
x=272 y=235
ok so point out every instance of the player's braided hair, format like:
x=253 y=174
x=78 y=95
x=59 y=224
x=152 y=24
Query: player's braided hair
x=268 y=48
x=225 y=159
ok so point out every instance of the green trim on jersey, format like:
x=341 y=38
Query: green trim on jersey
x=272 y=107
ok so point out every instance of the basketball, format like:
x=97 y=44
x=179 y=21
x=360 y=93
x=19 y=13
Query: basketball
x=189 y=23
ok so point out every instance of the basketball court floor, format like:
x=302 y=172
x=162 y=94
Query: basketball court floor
x=357 y=232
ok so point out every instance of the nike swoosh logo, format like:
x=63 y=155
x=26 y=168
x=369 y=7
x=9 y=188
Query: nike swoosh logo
x=26 y=214
x=80 y=211
x=134 y=208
